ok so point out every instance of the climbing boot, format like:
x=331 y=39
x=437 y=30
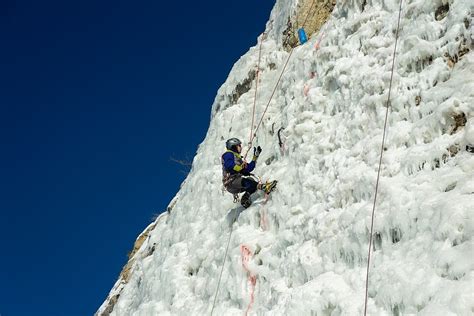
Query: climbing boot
x=268 y=186
x=245 y=200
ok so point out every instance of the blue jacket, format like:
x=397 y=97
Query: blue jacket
x=232 y=163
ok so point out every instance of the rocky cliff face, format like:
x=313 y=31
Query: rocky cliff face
x=309 y=15
x=304 y=251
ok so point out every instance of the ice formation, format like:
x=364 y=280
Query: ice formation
x=304 y=251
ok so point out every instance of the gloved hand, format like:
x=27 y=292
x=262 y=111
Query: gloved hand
x=256 y=152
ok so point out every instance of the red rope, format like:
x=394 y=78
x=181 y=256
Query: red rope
x=380 y=162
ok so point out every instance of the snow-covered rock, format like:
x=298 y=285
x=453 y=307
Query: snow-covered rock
x=304 y=251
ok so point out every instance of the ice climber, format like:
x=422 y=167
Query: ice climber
x=236 y=172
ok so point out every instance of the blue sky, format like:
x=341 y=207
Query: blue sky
x=95 y=98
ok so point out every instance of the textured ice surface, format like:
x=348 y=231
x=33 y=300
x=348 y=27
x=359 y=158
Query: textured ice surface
x=308 y=244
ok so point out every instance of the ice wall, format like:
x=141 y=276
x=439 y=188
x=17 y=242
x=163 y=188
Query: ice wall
x=304 y=251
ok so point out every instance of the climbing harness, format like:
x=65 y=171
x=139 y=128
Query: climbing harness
x=228 y=178
x=380 y=160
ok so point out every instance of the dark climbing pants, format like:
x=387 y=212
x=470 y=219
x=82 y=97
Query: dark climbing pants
x=242 y=184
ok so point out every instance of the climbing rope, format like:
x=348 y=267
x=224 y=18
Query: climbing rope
x=273 y=93
x=222 y=269
x=253 y=133
x=256 y=87
x=307 y=15
x=380 y=160
x=268 y=103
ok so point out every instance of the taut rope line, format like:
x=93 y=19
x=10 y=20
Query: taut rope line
x=222 y=269
x=380 y=161
x=256 y=88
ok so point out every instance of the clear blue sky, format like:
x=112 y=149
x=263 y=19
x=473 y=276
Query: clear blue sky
x=95 y=97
